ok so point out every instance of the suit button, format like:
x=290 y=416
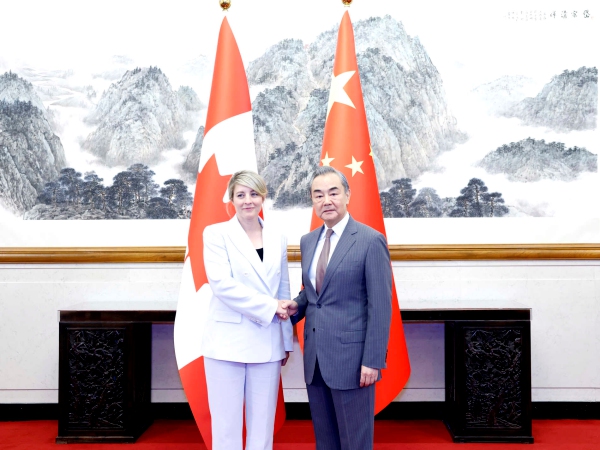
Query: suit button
x=313 y=330
x=318 y=306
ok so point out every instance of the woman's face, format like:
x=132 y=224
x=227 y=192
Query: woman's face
x=247 y=202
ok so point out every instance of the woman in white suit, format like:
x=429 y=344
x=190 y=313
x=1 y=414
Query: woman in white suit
x=246 y=341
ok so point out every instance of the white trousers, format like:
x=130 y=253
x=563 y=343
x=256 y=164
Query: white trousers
x=230 y=385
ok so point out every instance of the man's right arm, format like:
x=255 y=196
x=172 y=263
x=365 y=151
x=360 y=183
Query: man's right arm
x=297 y=307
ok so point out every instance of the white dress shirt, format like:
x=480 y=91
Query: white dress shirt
x=338 y=229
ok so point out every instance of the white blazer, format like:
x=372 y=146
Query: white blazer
x=242 y=325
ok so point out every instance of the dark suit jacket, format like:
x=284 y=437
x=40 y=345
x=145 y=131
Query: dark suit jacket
x=348 y=324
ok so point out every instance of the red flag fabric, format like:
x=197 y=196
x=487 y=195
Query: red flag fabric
x=347 y=147
x=228 y=147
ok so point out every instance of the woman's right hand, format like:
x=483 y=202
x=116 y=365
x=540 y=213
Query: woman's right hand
x=282 y=309
x=286 y=308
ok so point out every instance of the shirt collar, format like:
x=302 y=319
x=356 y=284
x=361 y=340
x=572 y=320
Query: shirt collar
x=339 y=227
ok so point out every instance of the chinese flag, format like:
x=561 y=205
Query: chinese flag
x=228 y=147
x=347 y=147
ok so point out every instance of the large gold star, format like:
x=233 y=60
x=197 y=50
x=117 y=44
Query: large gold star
x=355 y=166
x=327 y=160
x=337 y=92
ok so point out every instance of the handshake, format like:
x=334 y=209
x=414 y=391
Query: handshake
x=286 y=308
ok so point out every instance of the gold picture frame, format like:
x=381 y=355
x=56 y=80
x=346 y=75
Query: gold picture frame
x=456 y=252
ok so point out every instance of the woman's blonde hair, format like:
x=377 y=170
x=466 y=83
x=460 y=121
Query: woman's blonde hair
x=249 y=179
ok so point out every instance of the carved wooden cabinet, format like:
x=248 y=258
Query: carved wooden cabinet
x=104 y=372
x=488 y=368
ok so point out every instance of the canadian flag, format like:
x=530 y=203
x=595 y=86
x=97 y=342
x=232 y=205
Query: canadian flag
x=347 y=147
x=228 y=147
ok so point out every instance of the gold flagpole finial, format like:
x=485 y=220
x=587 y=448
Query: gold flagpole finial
x=225 y=4
x=347 y=3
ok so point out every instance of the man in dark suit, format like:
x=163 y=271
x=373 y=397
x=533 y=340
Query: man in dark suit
x=346 y=300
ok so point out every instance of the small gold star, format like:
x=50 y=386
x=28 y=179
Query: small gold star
x=371 y=152
x=355 y=166
x=327 y=160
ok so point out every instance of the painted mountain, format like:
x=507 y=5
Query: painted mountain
x=191 y=163
x=139 y=117
x=534 y=160
x=30 y=153
x=409 y=120
x=14 y=88
x=504 y=93
x=568 y=102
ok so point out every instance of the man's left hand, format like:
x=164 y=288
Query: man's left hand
x=368 y=376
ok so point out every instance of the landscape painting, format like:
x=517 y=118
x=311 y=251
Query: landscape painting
x=483 y=117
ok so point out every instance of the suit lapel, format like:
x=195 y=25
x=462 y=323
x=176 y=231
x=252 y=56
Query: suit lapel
x=308 y=252
x=347 y=240
x=242 y=242
x=271 y=258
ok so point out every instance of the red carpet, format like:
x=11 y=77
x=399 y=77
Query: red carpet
x=298 y=435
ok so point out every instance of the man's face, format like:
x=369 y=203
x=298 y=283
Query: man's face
x=330 y=201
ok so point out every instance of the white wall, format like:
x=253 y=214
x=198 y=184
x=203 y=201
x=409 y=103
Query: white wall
x=564 y=297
